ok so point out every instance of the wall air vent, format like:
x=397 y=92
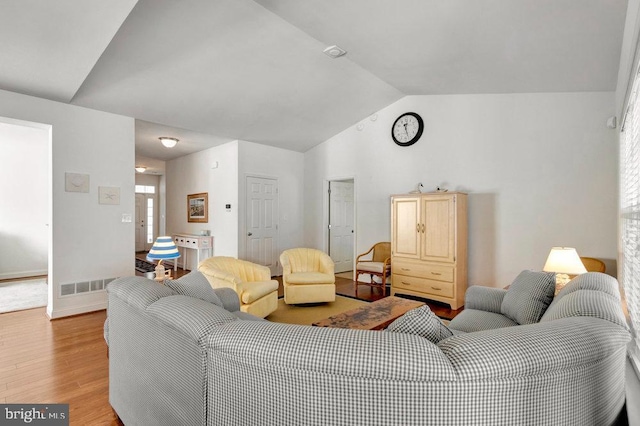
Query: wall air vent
x=70 y=289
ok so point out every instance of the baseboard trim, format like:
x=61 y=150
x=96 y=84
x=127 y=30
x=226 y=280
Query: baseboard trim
x=23 y=274
x=76 y=310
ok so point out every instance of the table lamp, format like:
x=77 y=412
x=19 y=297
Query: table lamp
x=163 y=249
x=564 y=261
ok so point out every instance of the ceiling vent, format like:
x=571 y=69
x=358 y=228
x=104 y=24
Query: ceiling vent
x=334 y=51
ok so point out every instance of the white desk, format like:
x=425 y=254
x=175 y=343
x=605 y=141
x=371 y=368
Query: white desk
x=198 y=243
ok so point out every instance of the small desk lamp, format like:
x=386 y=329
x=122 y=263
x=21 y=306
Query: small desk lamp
x=163 y=249
x=564 y=261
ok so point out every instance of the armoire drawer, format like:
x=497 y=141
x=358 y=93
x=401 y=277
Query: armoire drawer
x=423 y=285
x=420 y=269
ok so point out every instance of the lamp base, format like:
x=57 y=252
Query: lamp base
x=561 y=281
x=162 y=274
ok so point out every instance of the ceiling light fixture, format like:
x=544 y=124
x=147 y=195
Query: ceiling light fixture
x=168 y=142
x=334 y=51
x=141 y=169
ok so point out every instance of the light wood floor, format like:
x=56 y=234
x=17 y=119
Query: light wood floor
x=62 y=361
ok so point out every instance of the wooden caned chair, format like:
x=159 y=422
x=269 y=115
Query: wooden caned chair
x=591 y=264
x=379 y=265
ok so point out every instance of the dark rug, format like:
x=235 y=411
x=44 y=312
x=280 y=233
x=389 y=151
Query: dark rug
x=144 y=266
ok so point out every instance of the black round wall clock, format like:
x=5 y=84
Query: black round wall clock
x=407 y=129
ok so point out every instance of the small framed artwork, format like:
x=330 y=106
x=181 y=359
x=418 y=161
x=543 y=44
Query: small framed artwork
x=198 y=207
x=76 y=182
x=109 y=195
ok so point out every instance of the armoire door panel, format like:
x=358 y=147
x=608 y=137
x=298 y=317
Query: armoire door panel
x=439 y=229
x=405 y=230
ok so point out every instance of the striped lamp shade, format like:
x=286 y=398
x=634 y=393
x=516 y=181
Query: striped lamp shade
x=163 y=249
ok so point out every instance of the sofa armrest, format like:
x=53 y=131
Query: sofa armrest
x=515 y=352
x=484 y=298
x=229 y=298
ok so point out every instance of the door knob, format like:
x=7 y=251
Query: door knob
x=249 y=234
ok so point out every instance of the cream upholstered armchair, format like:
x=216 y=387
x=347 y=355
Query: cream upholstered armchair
x=258 y=293
x=307 y=276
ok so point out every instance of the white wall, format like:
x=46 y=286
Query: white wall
x=89 y=240
x=148 y=180
x=540 y=170
x=225 y=184
x=288 y=168
x=193 y=174
x=24 y=210
x=628 y=55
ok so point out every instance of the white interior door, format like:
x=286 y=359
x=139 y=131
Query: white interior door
x=341 y=225
x=262 y=222
x=141 y=229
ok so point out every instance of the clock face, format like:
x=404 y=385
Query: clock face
x=407 y=129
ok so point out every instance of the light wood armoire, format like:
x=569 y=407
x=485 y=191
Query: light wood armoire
x=429 y=246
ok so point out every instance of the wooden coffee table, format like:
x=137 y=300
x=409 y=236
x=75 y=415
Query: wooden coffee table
x=374 y=316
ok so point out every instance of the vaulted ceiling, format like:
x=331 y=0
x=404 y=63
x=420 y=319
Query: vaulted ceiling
x=209 y=71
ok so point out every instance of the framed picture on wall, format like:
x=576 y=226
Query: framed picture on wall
x=198 y=207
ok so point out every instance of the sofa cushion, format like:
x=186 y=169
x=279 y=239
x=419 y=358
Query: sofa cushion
x=471 y=320
x=529 y=296
x=194 y=284
x=138 y=291
x=484 y=298
x=423 y=322
x=192 y=316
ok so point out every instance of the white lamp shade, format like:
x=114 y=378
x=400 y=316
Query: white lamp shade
x=564 y=260
x=162 y=249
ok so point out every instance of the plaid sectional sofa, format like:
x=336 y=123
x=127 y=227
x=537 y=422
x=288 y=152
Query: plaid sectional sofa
x=180 y=360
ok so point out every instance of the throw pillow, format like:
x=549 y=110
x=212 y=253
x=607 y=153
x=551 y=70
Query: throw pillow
x=194 y=284
x=529 y=296
x=423 y=322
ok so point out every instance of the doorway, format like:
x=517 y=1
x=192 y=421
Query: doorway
x=146 y=217
x=262 y=222
x=341 y=224
x=26 y=211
